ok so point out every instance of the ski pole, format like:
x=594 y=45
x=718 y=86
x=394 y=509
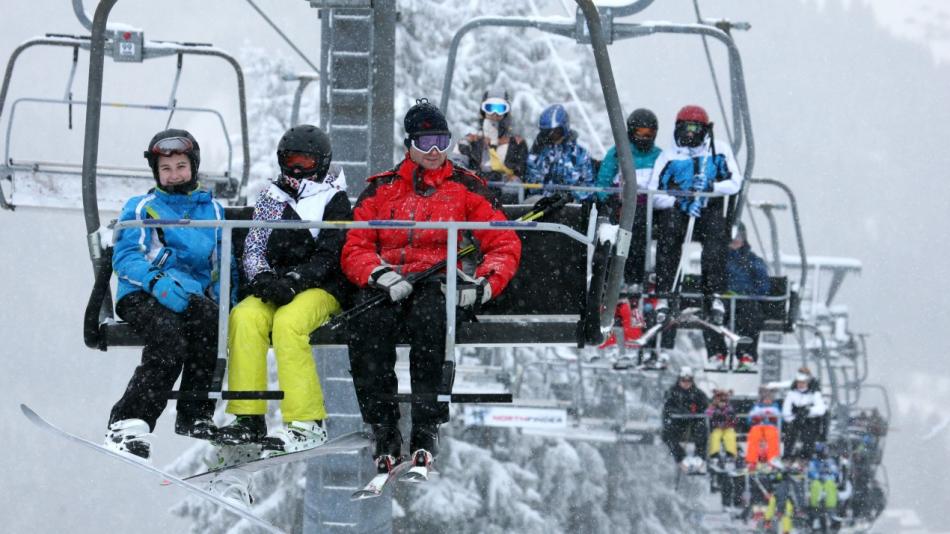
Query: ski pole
x=543 y=207
x=686 y=240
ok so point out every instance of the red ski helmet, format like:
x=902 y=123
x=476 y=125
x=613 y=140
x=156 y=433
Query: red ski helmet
x=692 y=113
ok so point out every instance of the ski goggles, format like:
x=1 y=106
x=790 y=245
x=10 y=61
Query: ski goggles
x=498 y=107
x=172 y=145
x=644 y=133
x=299 y=160
x=693 y=127
x=426 y=142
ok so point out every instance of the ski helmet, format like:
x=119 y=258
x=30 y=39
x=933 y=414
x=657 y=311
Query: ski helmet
x=641 y=129
x=497 y=101
x=692 y=126
x=552 y=119
x=174 y=141
x=304 y=152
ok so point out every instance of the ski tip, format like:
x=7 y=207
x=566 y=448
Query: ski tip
x=27 y=411
x=363 y=495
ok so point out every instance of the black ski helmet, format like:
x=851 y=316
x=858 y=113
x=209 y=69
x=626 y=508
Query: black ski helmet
x=174 y=141
x=305 y=139
x=642 y=118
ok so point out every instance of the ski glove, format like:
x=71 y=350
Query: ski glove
x=271 y=288
x=169 y=292
x=701 y=184
x=471 y=291
x=390 y=282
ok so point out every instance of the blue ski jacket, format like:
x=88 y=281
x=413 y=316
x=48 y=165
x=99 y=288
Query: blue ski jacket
x=565 y=163
x=609 y=173
x=746 y=272
x=191 y=256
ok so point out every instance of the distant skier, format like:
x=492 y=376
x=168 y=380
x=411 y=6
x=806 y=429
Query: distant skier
x=495 y=152
x=423 y=187
x=683 y=414
x=296 y=284
x=168 y=292
x=804 y=411
x=823 y=478
x=556 y=156
x=723 y=445
x=746 y=275
x=694 y=162
x=763 y=438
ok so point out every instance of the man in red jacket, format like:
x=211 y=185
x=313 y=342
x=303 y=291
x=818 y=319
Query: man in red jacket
x=424 y=187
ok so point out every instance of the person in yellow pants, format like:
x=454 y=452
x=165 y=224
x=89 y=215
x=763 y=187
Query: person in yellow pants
x=296 y=285
x=722 y=438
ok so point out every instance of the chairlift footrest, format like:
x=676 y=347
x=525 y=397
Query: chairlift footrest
x=456 y=397
x=225 y=395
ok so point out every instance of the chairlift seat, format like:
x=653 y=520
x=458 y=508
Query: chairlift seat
x=543 y=304
x=778 y=313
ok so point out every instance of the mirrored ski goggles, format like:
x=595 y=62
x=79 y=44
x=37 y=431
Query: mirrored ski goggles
x=299 y=160
x=426 y=142
x=644 y=133
x=172 y=145
x=693 y=127
x=498 y=107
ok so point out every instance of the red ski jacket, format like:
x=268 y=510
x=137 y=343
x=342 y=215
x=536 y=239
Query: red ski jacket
x=443 y=194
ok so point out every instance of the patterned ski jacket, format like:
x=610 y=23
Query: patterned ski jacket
x=678 y=167
x=721 y=416
x=190 y=255
x=410 y=193
x=565 y=163
x=609 y=173
x=313 y=254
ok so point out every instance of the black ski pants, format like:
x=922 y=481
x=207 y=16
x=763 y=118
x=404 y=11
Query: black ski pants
x=711 y=229
x=749 y=319
x=175 y=344
x=805 y=429
x=676 y=430
x=372 y=346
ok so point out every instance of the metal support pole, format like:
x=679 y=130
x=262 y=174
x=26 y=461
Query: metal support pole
x=94 y=99
x=450 y=295
x=618 y=128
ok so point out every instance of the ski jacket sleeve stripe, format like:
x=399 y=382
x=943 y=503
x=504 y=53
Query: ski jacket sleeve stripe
x=136 y=249
x=660 y=201
x=326 y=259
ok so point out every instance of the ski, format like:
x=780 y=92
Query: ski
x=421 y=468
x=683 y=317
x=220 y=501
x=729 y=335
x=378 y=483
x=350 y=442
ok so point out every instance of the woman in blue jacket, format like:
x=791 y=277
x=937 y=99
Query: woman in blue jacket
x=168 y=292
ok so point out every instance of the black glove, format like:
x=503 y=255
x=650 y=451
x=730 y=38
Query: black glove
x=201 y=317
x=271 y=288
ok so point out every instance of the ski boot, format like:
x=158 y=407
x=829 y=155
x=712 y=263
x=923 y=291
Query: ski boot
x=717 y=362
x=388 y=452
x=233 y=485
x=296 y=436
x=717 y=312
x=746 y=364
x=129 y=437
x=424 y=444
x=244 y=429
x=198 y=427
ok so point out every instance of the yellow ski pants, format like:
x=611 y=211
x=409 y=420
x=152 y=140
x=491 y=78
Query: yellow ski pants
x=252 y=323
